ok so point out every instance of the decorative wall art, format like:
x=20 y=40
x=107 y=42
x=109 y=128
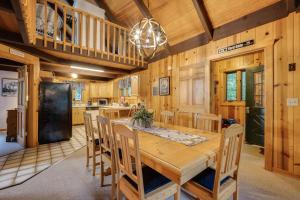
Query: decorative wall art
x=164 y=86
x=9 y=87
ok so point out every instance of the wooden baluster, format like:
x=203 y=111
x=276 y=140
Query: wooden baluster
x=134 y=54
x=65 y=28
x=80 y=31
x=114 y=44
x=73 y=30
x=102 y=37
x=129 y=52
x=95 y=36
x=108 y=40
x=45 y=23
x=55 y=26
x=125 y=43
x=88 y=34
x=119 y=44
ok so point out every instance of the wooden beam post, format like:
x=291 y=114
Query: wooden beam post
x=204 y=18
x=18 y=12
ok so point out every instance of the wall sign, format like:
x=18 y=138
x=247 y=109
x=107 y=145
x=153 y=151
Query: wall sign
x=236 y=46
x=16 y=52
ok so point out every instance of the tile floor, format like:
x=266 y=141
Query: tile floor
x=20 y=166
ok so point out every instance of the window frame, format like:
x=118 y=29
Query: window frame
x=239 y=85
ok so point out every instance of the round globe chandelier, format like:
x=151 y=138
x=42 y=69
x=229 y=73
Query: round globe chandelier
x=147 y=36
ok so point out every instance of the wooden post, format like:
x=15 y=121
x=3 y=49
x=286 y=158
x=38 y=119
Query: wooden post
x=73 y=30
x=33 y=93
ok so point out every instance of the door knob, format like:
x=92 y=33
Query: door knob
x=247 y=110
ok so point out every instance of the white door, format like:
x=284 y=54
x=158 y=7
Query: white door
x=22 y=105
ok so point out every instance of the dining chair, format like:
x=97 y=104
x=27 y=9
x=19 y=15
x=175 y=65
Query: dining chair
x=112 y=113
x=132 y=110
x=167 y=117
x=92 y=143
x=137 y=181
x=221 y=183
x=106 y=150
x=208 y=122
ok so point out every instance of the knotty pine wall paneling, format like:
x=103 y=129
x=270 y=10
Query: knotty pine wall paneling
x=279 y=42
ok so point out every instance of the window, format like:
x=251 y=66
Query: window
x=243 y=86
x=78 y=94
x=231 y=86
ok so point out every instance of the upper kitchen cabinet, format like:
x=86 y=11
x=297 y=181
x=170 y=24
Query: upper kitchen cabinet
x=94 y=90
x=106 y=89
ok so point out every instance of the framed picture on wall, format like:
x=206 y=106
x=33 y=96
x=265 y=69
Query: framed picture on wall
x=9 y=87
x=164 y=86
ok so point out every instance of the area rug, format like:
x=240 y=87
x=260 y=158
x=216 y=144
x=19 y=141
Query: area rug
x=22 y=165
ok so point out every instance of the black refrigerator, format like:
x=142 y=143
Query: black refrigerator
x=55 y=112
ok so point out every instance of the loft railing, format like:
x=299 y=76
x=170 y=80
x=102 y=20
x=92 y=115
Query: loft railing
x=75 y=29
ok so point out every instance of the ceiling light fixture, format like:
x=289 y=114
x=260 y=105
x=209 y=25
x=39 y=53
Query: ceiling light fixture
x=147 y=36
x=87 y=69
x=74 y=75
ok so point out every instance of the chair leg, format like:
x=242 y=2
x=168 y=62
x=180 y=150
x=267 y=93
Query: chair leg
x=87 y=155
x=102 y=173
x=177 y=194
x=235 y=195
x=94 y=163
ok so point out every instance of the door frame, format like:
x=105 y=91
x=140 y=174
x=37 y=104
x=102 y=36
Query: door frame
x=33 y=64
x=268 y=50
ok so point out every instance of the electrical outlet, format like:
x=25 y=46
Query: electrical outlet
x=292 y=67
x=292 y=101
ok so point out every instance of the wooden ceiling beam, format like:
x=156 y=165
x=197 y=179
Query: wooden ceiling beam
x=110 y=16
x=86 y=77
x=16 y=5
x=297 y=6
x=62 y=68
x=6 y=6
x=290 y=5
x=204 y=18
x=260 y=17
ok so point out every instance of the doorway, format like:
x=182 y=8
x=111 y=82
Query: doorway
x=238 y=95
x=13 y=99
x=255 y=108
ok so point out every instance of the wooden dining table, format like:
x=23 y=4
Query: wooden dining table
x=177 y=161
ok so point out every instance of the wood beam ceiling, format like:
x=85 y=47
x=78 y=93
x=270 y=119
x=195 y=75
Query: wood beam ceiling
x=6 y=6
x=260 y=17
x=108 y=13
x=204 y=18
x=16 y=5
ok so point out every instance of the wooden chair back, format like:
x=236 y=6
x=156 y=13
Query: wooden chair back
x=132 y=110
x=167 y=117
x=208 y=122
x=89 y=129
x=105 y=134
x=127 y=155
x=112 y=113
x=229 y=155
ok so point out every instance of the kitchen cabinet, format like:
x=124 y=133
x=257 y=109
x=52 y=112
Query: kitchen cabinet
x=94 y=90
x=77 y=115
x=106 y=90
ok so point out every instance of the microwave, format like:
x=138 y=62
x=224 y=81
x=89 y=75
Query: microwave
x=103 y=102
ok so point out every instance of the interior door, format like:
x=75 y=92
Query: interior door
x=255 y=110
x=22 y=105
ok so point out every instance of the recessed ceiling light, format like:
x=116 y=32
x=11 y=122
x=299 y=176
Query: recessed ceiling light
x=74 y=75
x=87 y=69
